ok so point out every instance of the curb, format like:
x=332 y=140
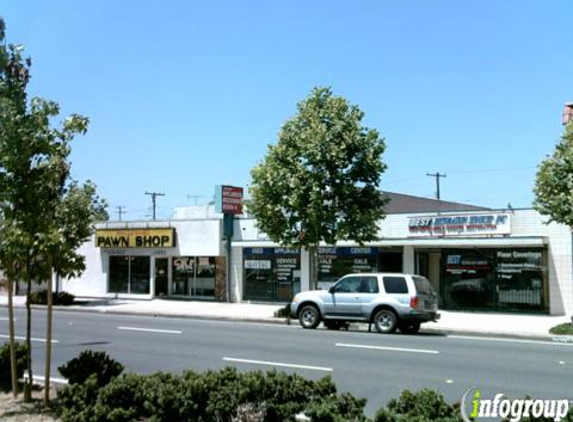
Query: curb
x=276 y=321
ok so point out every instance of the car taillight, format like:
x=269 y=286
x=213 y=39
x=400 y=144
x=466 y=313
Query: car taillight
x=414 y=301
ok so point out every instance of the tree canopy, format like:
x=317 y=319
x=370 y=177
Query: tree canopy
x=554 y=182
x=319 y=182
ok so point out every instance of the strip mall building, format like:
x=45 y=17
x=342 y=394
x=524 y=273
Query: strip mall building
x=477 y=258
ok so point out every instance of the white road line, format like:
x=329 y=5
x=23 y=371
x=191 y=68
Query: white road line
x=511 y=340
x=7 y=319
x=150 y=330
x=40 y=340
x=286 y=365
x=40 y=379
x=389 y=349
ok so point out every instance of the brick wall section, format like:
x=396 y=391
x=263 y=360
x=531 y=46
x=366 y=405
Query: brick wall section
x=220 y=278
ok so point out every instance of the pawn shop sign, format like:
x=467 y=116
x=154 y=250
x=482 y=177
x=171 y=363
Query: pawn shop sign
x=229 y=200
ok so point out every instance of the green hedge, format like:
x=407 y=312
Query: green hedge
x=40 y=297
x=229 y=395
x=210 y=396
x=5 y=370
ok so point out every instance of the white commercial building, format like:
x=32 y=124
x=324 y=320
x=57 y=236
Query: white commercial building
x=478 y=259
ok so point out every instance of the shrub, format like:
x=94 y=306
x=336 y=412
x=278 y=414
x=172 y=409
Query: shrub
x=89 y=363
x=5 y=368
x=337 y=408
x=224 y=395
x=422 y=406
x=562 y=329
x=123 y=400
x=40 y=297
x=75 y=401
x=283 y=312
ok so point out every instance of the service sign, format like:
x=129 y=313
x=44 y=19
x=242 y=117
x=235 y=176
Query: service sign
x=229 y=200
x=135 y=238
x=460 y=225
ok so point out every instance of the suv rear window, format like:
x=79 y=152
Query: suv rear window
x=395 y=285
x=423 y=286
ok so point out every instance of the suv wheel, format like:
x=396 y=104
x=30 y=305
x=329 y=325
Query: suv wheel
x=309 y=317
x=385 y=321
x=409 y=327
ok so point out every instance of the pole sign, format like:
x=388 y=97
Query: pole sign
x=229 y=200
x=461 y=225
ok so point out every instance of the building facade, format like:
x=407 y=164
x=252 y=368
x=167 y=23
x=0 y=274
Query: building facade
x=478 y=259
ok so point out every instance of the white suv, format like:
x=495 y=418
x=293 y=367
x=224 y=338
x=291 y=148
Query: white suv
x=387 y=300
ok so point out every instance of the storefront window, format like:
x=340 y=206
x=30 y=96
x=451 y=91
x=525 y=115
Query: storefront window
x=129 y=274
x=194 y=276
x=271 y=274
x=337 y=262
x=469 y=279
x=520 y=279
x=205 y=280
x=118 y=274
x=183 y=274
x=496 y=279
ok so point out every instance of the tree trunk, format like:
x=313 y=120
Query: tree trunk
x=48 y=340
x=13 y=367
x=28 y=382
x=314 y=266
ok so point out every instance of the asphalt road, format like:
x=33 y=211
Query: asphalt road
x=377 y=367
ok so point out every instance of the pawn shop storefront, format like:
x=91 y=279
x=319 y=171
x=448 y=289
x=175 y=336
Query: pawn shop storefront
x=149 y=262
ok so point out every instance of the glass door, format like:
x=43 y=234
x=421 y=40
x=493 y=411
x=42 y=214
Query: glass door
x=161 y=276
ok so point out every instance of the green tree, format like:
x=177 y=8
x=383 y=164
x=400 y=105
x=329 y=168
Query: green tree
x=554 y=182
x=319 y=183
x=72 y=216
x=42 y=221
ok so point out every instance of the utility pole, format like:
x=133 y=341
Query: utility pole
x=154 y=195
x=120 y=211
x=437 y=176
x=195 y=197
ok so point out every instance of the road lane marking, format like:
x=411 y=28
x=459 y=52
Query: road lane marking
x=510 y=340
x=286 y=365
x=40 y=340
x=7 y=319
x=40 y=379
x=150 y=330
x=389 y=349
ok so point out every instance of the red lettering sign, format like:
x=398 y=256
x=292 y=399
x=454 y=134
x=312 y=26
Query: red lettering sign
x=232 y=200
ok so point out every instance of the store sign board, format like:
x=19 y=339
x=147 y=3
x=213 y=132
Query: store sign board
x=229 y=200
x=258 y=264
x=135 y=238
x=460 y=225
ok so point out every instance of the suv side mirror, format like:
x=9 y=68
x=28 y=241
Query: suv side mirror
x=332 y=289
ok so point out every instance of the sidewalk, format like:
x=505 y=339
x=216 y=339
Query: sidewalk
x=461 y=323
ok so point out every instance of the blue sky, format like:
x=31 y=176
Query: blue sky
x=185 y=95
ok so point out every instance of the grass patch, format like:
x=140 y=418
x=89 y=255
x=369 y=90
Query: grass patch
x=563 y=329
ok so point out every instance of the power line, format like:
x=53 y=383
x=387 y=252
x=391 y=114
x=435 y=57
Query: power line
x=154 y=196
